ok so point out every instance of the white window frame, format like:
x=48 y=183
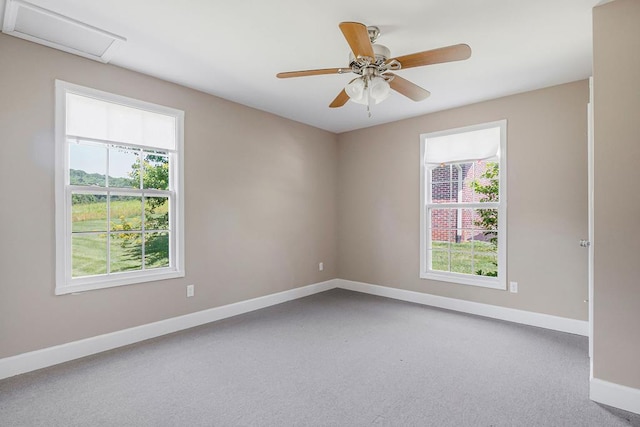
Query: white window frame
x=65 y=283
x=499 y=282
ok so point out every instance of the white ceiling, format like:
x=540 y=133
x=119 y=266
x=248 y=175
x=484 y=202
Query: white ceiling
x=233 y=49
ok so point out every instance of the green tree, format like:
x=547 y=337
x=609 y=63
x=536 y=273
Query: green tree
x=155 y=174
x=489 y=187
x=77 y=199
x=155 y=171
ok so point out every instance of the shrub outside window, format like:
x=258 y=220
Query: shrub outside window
x=119 y=205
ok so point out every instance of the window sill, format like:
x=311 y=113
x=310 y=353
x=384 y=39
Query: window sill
x=123 y=279
x=466 y=279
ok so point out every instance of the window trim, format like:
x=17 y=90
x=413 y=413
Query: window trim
x=65 y=284
x=499 y=282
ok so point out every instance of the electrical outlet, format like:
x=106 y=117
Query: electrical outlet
x=190 y=290
x=321 y=266
x=513 y=287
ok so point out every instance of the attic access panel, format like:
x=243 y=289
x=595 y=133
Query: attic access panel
x=42 y=26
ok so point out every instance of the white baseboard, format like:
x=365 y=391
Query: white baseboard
x=615 y=395
x=604 y=392
x=563 y=324
x=50 y=356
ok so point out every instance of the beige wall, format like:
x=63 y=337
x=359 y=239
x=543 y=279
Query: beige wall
x=378 y=201
x=262 y=207
x=616 y=73
x=260 y=204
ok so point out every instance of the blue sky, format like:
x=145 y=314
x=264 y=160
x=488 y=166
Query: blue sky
x=93 y=159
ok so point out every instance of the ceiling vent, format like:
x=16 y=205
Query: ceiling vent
x=33 y=23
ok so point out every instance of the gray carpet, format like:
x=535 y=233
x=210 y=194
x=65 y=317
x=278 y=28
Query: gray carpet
x=333 y=359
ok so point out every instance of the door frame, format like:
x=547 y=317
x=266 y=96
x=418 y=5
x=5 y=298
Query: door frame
x=590 y=179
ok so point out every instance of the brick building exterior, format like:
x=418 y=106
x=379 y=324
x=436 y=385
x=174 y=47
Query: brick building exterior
x=452 y=184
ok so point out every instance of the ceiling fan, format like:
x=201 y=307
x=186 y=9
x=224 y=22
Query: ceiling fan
x=375 y=68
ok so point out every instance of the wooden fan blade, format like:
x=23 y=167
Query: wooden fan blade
x=304 y=73
x=358 y=38
x=456 y=52
x=408 y=89
x=340 y=100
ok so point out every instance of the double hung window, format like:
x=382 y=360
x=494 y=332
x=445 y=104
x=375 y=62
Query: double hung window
x=119 y=195
x=463 y=205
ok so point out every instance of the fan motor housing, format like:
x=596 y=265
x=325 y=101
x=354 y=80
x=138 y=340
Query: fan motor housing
x=381 y=52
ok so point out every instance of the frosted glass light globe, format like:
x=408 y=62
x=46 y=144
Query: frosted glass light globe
x=380 y=89
x=355 y=90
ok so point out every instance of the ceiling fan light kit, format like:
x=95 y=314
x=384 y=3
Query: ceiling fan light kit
x=373 y=64
x=363 y=89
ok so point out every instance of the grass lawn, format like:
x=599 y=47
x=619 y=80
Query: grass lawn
x=466 y=257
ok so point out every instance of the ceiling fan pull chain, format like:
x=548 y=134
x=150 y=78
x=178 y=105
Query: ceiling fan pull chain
x=369 y=97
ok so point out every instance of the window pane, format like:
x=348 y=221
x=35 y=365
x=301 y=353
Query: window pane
x=485 y=223
x=463 y=235
x=441 y=173
x=485 y=259
x=464 y=221
x=87 y=164
x=466 y=176
x=156 y=171
x=124 y=167
x=156 y=213
x=442 y=238
x=442 y=192
x=462 y=245
x=440 y=260
x=126 y=213
x=88 y=254
x=486 y=181
x=461 y=220
x=461 y=262
x=125 y=252
x=88 y=212
x=442 y=218
x=156 y=250
x=486 y=169
x=456 y=173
